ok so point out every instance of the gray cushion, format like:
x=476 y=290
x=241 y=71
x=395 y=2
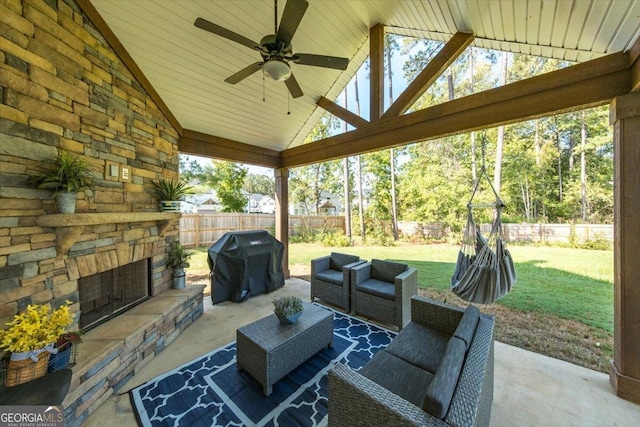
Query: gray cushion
x=338 y=260
x=420 y=346
x=387 y=270
x=441 y=388
x=467 y=326
x=399 y=377
x=331 y=276
x=378 y=288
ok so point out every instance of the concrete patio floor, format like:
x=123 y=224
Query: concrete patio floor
x=530 y=389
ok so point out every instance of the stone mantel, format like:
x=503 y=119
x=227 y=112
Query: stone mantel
x=69 y=227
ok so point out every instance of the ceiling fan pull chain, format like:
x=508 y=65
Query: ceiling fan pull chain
x=264 y=98
x=288 y=103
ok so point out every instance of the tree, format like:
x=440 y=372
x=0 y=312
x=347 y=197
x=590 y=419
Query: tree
x=359 y=169
x=227 y=179
x=345 y=180
x=391 y=45
x=497 y=171
x=307 y=183
x=190 y=169
x=583 y=166
x=258 y=183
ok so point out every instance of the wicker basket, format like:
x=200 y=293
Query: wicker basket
x=22 y=371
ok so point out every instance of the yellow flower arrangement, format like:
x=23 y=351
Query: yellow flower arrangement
x=35 y=328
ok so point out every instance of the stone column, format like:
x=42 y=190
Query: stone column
x=282 y=215
x=625 y=368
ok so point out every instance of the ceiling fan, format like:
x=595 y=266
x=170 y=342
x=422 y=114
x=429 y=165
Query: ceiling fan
x=276 y=49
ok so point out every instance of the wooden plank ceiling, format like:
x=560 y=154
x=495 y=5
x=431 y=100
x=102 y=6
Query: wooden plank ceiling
x=187 y=66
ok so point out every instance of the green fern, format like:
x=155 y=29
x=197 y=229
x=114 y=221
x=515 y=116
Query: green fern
x=65 y=173
x=178 y=257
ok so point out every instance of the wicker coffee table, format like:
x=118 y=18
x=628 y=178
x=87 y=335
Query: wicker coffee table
x=268 y=350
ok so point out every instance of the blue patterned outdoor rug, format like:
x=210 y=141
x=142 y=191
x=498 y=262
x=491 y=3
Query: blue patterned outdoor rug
x=210 y=391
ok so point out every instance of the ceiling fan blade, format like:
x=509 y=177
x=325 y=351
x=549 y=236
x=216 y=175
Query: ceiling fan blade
x=244 y=73
x=294 y=87
x=291 y=17
x=320 y=61
x=227 y=34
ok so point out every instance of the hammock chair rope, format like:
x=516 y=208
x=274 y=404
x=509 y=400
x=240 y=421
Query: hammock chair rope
x=484 y=270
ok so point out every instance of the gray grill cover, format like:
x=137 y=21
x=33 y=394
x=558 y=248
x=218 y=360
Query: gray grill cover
x=245 y=263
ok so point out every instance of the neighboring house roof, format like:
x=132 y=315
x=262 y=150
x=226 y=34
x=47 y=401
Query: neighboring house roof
x=327 y=204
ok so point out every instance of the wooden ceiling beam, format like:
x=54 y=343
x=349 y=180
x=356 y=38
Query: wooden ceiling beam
x=376 y=72
x=584 y=85
x=438 y=65
x=96 y=19
x=342 y=113
x=201 y=144
x=634 y=62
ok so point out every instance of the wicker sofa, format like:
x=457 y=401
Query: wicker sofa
x=438 y=371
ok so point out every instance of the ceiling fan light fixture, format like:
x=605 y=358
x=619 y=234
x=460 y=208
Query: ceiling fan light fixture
x=276 y=69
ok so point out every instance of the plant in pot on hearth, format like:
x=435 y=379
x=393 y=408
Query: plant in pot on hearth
x=288 y=309
x=178 y=259
x=66 y=175
x=30 y=338
x=170 y=192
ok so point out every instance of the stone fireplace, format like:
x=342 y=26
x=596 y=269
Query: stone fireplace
x=104 y=295
x=64 y=87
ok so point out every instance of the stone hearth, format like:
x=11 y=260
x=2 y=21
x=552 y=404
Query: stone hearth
x=113 y=352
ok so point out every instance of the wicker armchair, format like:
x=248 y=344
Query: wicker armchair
x=382 y=290
x=330 y=279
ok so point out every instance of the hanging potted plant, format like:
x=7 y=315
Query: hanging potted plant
x=66 y=175
x=178 y=259
x=170 y=192
x=30 y=340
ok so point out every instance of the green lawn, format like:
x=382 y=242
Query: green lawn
x=574 y=284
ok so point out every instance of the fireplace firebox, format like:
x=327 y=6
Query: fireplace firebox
x=107 y=294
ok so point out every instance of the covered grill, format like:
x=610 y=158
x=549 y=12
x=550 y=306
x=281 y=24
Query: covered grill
x=245 y=263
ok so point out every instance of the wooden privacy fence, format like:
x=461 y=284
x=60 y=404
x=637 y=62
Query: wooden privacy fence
x=543 y=233
x=206 y=229
x=556 y=232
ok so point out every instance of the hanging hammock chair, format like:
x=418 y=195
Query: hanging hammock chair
x=484 y=271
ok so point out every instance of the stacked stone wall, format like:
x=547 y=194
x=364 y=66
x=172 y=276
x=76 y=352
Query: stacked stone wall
x=63 y=88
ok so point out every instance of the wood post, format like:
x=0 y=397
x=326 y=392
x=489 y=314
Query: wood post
x=282 y=215
x=625 y=368
x=376 y=72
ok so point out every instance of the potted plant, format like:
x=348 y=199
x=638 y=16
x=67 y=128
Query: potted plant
x=178 y=259
x=288 y=309
x=65 y=346
x=66 y=175
x=170 y=192
x=30 y=339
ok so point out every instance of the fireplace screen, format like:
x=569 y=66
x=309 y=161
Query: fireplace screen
x=105 y=295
